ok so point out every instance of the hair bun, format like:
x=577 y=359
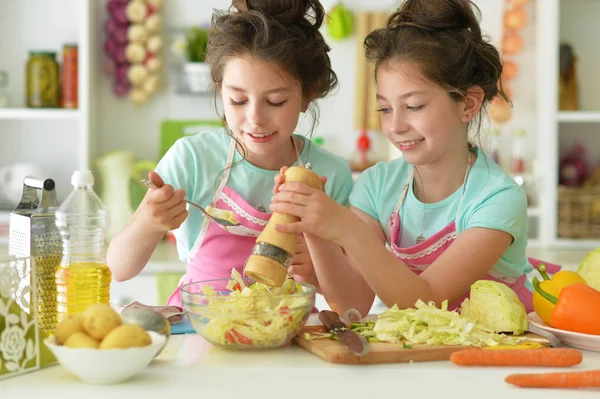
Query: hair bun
x=437 y=15
x=309 y=13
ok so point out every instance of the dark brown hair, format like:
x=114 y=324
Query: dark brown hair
x=444 y=39
x=284 y=32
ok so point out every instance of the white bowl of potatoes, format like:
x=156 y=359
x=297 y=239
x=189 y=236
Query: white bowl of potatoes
x=96 y=347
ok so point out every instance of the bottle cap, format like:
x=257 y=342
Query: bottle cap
x=82 y=178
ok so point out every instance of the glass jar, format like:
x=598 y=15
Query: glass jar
x=69 y=73
x=42 y=80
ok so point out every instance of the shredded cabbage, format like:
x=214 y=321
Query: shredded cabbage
x=253 y=315
x=222 y=214
x=426 y=324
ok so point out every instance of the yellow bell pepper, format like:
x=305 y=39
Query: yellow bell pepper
x=541 y=305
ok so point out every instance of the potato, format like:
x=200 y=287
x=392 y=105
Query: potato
x=81 y=340
x=99 y=319
x=69 y=326
x=126 y=336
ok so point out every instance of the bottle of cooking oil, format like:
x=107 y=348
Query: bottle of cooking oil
x=83 y=278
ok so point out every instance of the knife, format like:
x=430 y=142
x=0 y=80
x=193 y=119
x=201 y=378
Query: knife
x=357 y=344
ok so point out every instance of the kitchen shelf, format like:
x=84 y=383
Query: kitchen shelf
x=39 y=114
x=572 y=22
x=579 y=116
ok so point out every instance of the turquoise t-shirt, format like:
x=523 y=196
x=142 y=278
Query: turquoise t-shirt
x=195 y=164
x=492 y=199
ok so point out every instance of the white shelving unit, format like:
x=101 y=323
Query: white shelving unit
x=38 y=114
x=57 y=140
x=572 y=21
x=579 y=117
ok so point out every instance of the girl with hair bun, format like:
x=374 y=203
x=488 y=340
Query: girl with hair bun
x=269 y=63
x=429 y=224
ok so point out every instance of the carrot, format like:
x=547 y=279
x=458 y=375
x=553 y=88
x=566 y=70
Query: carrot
x=569 y=379
x=546 y=357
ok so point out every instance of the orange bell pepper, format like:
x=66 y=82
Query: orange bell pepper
x=576 y=309
x=541 y=305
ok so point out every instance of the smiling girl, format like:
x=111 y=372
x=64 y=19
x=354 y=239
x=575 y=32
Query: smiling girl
x=269 y=63
x=432 y=222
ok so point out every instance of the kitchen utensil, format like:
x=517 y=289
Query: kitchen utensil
x=273 y=251
x=11 y=180
x=576 y=340
x=335 y=351
x=356 y=343
x=220 y=221
x=149 y=320
x=33 y=233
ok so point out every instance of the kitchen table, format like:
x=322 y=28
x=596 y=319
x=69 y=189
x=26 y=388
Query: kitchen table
x=190 y=367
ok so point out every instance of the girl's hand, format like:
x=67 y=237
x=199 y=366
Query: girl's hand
x=302 y=268
x=163 y=208
x=319 y=214
x=280 y=179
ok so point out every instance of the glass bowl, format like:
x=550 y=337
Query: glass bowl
x=248 y=316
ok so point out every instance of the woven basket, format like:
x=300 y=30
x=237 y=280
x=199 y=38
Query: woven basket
x=578 y=212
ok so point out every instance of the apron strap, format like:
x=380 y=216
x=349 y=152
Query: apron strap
x=298 y=157
x=222 y=183
x=390 y=225
x=226 y=172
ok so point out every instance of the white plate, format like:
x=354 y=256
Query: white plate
x=577 y=340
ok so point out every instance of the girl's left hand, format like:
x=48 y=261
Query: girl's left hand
x=319 y=214
x=280 y=179
x=302 y=268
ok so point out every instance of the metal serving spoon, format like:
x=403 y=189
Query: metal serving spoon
x=223 y=222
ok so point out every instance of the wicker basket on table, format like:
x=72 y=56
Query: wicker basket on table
x=579 y=211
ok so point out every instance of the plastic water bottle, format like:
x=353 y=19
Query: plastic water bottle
x=83 y=278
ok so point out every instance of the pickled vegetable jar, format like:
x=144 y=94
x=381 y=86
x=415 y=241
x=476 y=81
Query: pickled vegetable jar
x=42 y=80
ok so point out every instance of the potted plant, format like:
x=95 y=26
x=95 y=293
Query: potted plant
x=192 y=46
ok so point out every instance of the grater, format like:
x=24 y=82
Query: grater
x=33 y=233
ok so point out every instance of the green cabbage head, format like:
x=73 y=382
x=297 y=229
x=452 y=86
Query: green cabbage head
x=495 y=306
x=589 y=269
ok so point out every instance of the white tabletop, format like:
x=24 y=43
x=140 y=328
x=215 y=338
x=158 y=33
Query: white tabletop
x=190 y=367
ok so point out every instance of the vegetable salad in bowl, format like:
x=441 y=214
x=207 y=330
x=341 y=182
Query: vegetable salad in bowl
x=242 y=313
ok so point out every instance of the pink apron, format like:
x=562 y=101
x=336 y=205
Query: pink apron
x=218 y=249
x=418 y=257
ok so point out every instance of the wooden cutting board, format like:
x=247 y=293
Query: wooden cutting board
x=381 y=352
